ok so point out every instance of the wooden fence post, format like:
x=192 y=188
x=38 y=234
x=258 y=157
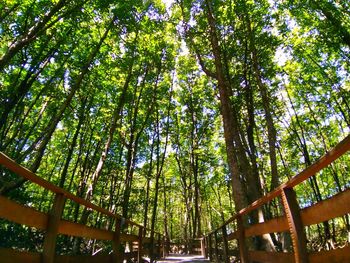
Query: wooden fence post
x=55 y=214
x=118 y=253
x=292 y=212
x=205 y=246
x=241 y=240
x=209 y=247
x=225 y=241
x=203 y=250
x=139 y=252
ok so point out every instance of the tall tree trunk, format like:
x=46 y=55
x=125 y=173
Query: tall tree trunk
x=47 y=134
x=160 y=164
x=113 y=126
x=232 y=137
x=28 y=37
x=227 y=112
x=73 y=143
x=271 y=130
x=149 y=175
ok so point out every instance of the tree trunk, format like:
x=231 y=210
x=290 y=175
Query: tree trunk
x=30 y=35
x=47 y=134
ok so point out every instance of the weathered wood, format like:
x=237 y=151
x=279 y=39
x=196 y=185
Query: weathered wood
x=203 y=252
x=340 y=255
x=8 y=255
x=29 y=175
x=206 y=243
x=340 y=149
x=325 y=210
x=336 y=206
x=118 y=253
x=21 y=214
x=52 y=229
x=278 y=224
x=83 y=259
x=80 y=230
x=270 y=257
x=225 y=245
x=243 y=252
x=296 y=228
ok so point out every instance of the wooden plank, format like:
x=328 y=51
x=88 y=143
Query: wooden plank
x=20 y=214
x=82 y=259
x=78 y=230
x=8 y=255
x=225 y=245
x=340 y=149
x=296 y=228
x=118 y=250
x=49 y=247
x=29 y=175
x=335 y=206
x=340 y=255
x=270 y=257
x=243 y=252
x=203 y=250
x=278 y=224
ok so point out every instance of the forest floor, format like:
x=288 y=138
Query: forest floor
x=177 y=258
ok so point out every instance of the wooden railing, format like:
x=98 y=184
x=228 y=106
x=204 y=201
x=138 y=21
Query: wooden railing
x=53 y=224
x=216 y=245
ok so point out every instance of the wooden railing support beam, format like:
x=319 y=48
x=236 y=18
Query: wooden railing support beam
x=118 y=253
x=295 y=224
x=203 y=250
x=225 y=245
x=49 y=246
x=206 y=244
x=243 y=252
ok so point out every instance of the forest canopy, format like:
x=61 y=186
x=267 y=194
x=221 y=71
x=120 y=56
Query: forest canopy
x=175 y=114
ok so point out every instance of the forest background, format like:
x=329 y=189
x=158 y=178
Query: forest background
x=173 y=115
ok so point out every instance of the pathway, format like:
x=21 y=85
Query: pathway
x=177 y=258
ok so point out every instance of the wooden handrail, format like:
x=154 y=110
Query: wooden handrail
x=53 y=224
x=340 y=149
x=294 y=218
x=30 y=176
